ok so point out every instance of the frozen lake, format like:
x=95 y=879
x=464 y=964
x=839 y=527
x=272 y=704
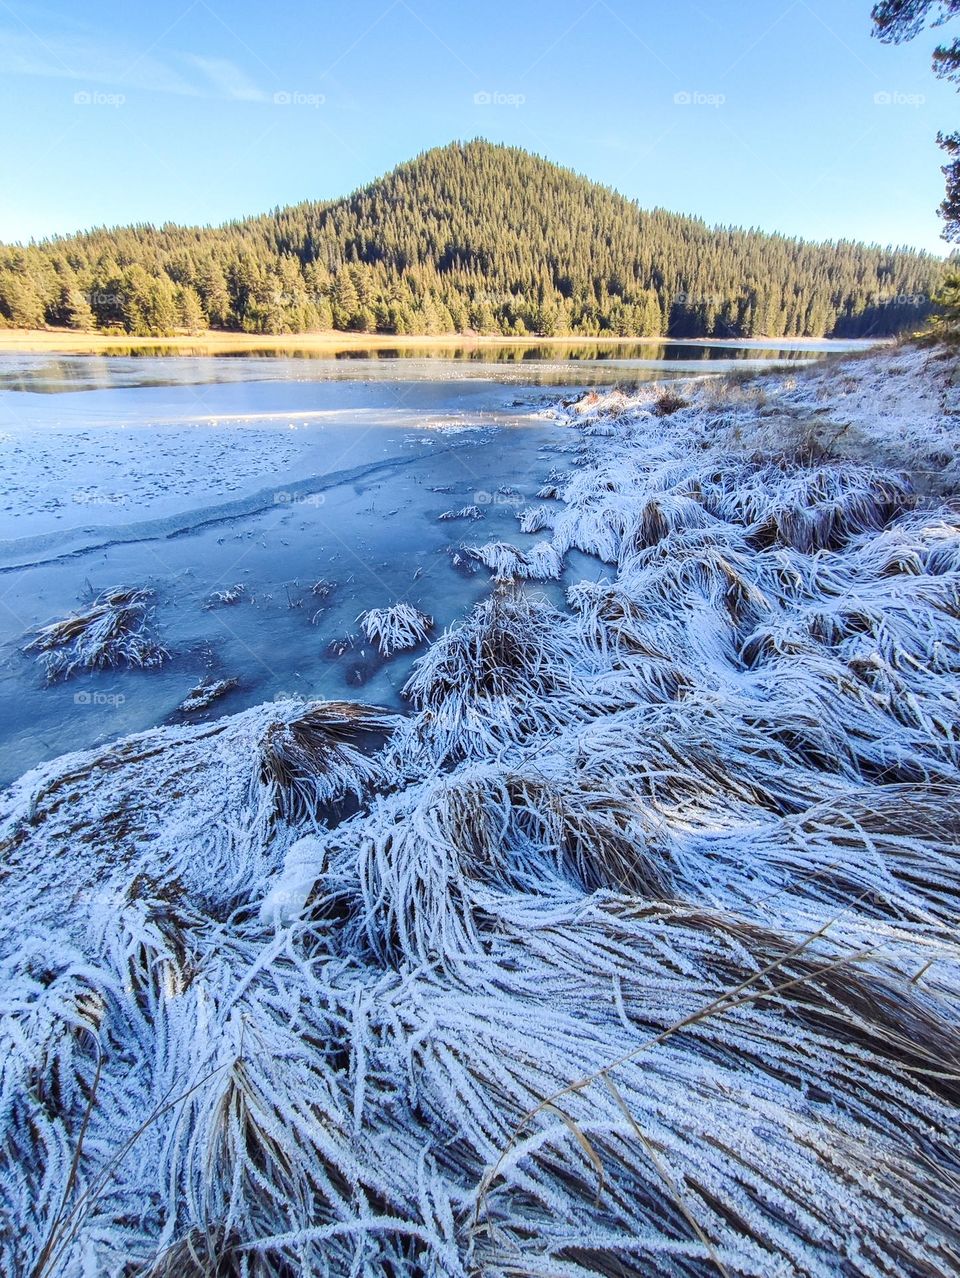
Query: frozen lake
x=192 y=476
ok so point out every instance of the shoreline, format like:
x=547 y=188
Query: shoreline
x=215 y=342
x=719 y=779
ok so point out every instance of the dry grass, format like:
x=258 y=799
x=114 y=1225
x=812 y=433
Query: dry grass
x=668 y=403
x=396 y=628
x=315 y=759
x=215 y=342
x=205 y=694
x=472 y=684
x=535 y=519
x=464 y=512
x=508 y=563
x=227 y=597
x=116 y=628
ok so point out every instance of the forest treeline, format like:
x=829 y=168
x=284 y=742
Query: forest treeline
x=467 y=238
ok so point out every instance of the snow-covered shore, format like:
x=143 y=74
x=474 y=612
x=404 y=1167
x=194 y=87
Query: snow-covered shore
x=632 y=949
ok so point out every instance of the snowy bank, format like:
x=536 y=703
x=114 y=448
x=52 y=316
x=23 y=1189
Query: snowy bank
x=633 y=949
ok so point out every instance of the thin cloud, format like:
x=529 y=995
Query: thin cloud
x=228 y=80
x=79 y=59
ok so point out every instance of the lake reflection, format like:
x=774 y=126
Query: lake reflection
x=577 y=363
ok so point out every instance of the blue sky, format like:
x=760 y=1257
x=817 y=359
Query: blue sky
x=782 y=114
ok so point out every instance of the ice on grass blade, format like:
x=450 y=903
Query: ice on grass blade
x=852 y=1032
x=396 y=628
x=535 y=518
x=321 y=755
x=806 y=508
x=228 y=596
x=541 y=561
x=289 y=891
x=206 y=692
x=116 y=628
x=488 y=681
x=464 y=512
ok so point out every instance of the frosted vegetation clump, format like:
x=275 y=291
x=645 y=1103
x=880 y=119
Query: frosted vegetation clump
x=114 y=628
x=395 y=628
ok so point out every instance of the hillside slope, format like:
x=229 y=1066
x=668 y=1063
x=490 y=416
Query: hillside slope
x=468 y=237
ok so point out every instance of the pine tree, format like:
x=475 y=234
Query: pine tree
x=324 y=315
x=20 y=302
x=482 y=319
x=898 y=20
x=74 y=311
x=458 y=314
x=365 y=321
x=652 y=321
x=947 y=302
x=191 y=316
x=159 y=307
x=211 y=286
x=346 y=303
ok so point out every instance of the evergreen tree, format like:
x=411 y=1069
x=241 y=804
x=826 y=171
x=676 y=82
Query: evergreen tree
x=323 y=315
x=20 y=302
x=898 y=20
x=365 y=321
x=482 y=319
x=947 y=302
x=346 y=303
x=458 y=314
x=159 y=307
x=211 y=286
x=651 y=323
x=75 y=311
x=191 y=316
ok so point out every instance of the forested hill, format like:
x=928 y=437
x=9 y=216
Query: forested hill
x=467 y=238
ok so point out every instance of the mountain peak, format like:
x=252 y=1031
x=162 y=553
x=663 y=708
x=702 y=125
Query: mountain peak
x=474 y=236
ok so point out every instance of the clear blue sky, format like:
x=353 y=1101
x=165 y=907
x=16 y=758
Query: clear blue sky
x=789 y=116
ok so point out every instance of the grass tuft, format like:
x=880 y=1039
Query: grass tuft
x=115 y=629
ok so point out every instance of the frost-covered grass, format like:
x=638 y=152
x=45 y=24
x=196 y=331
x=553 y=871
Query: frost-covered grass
x=464 y=512
x=227 y=597
x=317 y=758
x=396 y=628
x=631 y=950
x=206 y=693
x=535 y=518
x=116 y=628
x=540 y=561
